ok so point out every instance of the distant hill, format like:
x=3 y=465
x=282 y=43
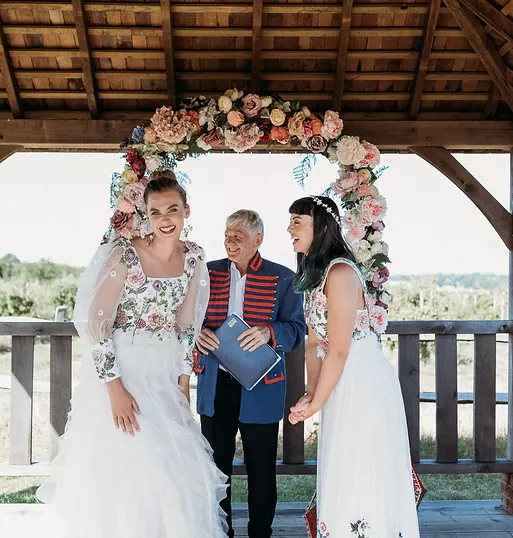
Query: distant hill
x=471 y=280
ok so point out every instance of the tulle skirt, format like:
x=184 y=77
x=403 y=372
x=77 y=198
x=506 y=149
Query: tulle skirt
x=162 y=483
x=364 y=483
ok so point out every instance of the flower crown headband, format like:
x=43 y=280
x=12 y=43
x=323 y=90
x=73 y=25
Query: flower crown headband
x=328 y=209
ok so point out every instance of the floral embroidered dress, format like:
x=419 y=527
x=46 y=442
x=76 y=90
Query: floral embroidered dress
x=364 y=481
x=104 y=483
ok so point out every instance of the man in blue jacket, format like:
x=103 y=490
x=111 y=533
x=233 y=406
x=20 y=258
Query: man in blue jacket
x=262 y=293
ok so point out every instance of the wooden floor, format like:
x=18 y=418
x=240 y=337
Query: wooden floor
x=438 y=519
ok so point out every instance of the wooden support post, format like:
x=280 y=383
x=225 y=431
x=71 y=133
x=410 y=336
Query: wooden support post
x=507 y=479
x=60 y=388
x=294 y=436
x=167 y=35
x=499 y=217
x=85 y=52
x=343 y=47
x=22 y=389
x=434 y=11
x=10 y=82
x=7 y=151
x=256 y=47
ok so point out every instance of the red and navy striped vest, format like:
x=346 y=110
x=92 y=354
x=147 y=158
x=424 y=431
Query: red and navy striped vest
x=259 y=296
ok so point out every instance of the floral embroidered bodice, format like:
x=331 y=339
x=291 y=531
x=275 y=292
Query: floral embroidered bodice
x=316 y=310
x=128 y=300
x=151 y=303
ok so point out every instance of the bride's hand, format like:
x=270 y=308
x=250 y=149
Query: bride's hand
x=306 y=398
x=123 y=407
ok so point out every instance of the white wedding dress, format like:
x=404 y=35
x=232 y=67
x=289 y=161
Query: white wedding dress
x=364 y=479
x=162 y=483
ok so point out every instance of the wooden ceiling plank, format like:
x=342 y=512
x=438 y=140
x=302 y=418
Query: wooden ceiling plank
x=423 y=65
x=256 y=46
x=487 y=53
x=7 y=151
x=494 y=97
x=491 y=16
x=10 y=82
x=343 y=48
x=87 y=64
x=167 y=33
x=496 y=214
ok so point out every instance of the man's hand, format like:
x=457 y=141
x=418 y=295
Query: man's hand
x=207 y=341
x=255 y=337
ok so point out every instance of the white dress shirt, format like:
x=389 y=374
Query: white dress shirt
x=237 y=288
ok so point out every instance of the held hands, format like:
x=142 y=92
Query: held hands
x=123 y=407
x=249 y=340
x=302 y=410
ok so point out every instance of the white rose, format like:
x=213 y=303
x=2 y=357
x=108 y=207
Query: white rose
x=377 y=248
x=234 y=94
x=375 y=237
x=277 y=117
x=153 y=162
x=385 y=248
x=306 y=111
x=350 y=151
x=385 y=297
x=225 y=103
x=362 y=251
x=266 y=101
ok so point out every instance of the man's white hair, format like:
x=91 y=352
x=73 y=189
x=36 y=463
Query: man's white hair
x=248 y=219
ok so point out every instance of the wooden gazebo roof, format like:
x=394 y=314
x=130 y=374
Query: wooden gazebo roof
x=375 y=61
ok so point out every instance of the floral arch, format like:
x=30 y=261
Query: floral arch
x=240 y=122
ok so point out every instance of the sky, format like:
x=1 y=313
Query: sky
x=56 y=206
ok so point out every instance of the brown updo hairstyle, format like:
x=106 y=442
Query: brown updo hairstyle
x=163 y=181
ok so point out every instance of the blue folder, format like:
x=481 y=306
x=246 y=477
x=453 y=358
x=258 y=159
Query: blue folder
x=247 y=367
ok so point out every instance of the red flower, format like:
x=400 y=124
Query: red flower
x=132 y=156
x=139 y=167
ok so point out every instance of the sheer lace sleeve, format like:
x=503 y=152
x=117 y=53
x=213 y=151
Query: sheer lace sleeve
x=98 y=297
x=192 y=311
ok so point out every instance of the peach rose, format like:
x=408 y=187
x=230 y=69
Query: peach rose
x=150 y=135
x=378 y=319
x=316 y=126
x=296 y=124
x=350 y=151
x=373 y=209
x=235 y=118
x=368 y=190
x=125 y=206
x=333 y=125
x=209 y=140
x=364 y=175
x=347 y=182
x=280 y=134
x=371 y=158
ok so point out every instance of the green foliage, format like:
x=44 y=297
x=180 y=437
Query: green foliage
x=15 y=305
x=65 y=294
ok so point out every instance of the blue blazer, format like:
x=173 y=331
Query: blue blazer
x=269 y=299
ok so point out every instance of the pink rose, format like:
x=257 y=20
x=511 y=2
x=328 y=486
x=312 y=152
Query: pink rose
x=307 y=130
x=367 y=190
x=235 y=118
x=194 y=117
x=317 y=144
x=134 y=193
x=379 y=225
x=347 y=182
x=356 y=231
x=362 y=320
x=119 y=220
x=371 y=158
x=333 y=125
x=125 y=206
x=252 y=105
x=135 y=278
x=209 y=140
x=244 y=138
x=373 y=209
x=380 y=277
x=378 y=319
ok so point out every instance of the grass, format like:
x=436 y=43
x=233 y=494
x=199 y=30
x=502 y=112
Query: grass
x=301 y=488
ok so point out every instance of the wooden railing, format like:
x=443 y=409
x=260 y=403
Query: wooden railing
x=409 y=336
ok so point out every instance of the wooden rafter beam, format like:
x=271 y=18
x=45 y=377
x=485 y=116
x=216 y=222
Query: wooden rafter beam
x=343 y=47
x=422 y=69
x=485 y=50
x=497 y=20
x=256 y=46
x=7 y=151
x=499 y=217
x=10 y=83
x=167 y=34
x=389 y=135
x=492 y=104
x=87 y=64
